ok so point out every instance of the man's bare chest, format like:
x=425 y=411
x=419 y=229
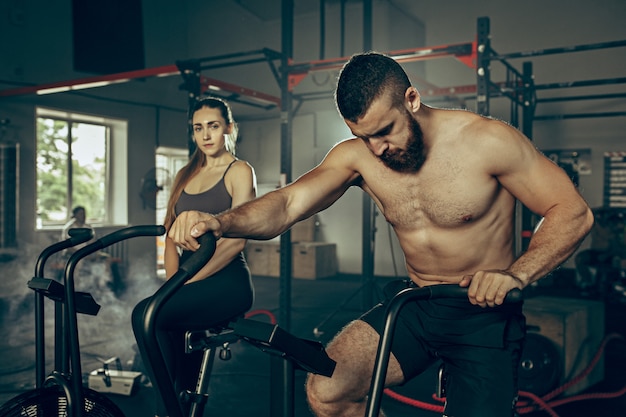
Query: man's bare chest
x=442 y=198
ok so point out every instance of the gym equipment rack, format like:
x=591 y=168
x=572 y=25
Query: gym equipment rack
x=478 y=54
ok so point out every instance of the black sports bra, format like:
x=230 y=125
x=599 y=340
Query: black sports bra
x=214 y=200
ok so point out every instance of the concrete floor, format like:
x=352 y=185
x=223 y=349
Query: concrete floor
x=241 y=386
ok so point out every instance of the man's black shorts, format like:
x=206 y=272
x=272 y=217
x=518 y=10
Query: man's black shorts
x=480 y=349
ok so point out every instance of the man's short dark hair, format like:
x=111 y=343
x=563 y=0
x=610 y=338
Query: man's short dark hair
x=366 y=77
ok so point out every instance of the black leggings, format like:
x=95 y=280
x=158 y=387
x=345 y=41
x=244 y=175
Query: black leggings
x=196 y=306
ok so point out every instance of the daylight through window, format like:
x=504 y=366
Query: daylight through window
x=73 y=168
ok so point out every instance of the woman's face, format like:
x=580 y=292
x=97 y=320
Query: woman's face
x=209 y=128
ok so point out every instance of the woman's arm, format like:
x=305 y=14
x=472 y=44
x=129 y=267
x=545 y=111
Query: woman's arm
x=170 y=256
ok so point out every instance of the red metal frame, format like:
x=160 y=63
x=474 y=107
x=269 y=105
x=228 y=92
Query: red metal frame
x=103 y=80
x=91 y=82
x=210 y=83
x=466 y=53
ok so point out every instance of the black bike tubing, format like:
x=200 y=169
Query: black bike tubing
x=162 y=379
x=40 y=347
x=391 y=315
x=70 y=319
x=197 y=406
x=71 y=405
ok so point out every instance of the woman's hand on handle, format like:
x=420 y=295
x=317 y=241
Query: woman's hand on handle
x=490 y=288
x=189 y=225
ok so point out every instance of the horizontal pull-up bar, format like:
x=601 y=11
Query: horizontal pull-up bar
x=461 y=51
x=581 y=115
x=464 y=52
x=588 y=97
x=584 y=83
x=511 y=87
x=230 y=60
x=562 y=50
x=254 y=98
x=236 y=55
x=92 y=82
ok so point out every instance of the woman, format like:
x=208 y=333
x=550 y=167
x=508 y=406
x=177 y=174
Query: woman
x=213 y=181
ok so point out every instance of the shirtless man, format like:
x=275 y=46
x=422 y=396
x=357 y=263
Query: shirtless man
x=447 y=181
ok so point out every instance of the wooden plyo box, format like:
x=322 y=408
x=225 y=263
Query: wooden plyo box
x=314 y=260
x=311 y=260
x=263 y=258
x=576 y=327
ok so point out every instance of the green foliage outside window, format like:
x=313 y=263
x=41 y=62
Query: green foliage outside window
x=60 y=186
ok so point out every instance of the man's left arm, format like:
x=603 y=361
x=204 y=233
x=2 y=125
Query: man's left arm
x=546 y=190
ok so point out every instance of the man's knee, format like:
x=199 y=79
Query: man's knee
x=329 y=398
x=320 y=391
x=319 y=395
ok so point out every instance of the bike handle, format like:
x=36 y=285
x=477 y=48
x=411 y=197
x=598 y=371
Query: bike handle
x=186 y=271
x=454 y=291
x=393 y=310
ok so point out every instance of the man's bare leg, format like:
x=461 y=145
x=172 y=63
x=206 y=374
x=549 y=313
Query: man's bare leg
x=345 y=394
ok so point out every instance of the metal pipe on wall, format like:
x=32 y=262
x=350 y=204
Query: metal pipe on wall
x=9 y=179
x=369 y=211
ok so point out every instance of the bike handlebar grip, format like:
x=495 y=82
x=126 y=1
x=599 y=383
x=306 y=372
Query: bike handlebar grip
x=114 y=237
x=129 y=232
x=77 y=236
x=200 y=257
x=454 y=291
x=80 y=234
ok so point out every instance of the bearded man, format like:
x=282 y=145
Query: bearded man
x=447 y=182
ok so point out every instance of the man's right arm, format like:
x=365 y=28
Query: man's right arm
x=275 y=212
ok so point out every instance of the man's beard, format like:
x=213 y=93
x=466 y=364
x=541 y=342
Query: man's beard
x=412 y=158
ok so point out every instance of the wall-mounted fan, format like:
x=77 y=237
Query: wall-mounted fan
x=155 y=188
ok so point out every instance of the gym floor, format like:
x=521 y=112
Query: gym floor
x=240 y=387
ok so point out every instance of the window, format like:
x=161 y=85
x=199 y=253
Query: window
x=76 y=157
x=168 y=162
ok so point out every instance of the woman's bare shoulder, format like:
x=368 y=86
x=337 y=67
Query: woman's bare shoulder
x=241 y=166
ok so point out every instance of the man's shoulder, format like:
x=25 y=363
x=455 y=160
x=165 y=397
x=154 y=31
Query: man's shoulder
x=349 y=150
x=349 y=145
x=484 y=128
x=469 y=116
x=346 y=158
